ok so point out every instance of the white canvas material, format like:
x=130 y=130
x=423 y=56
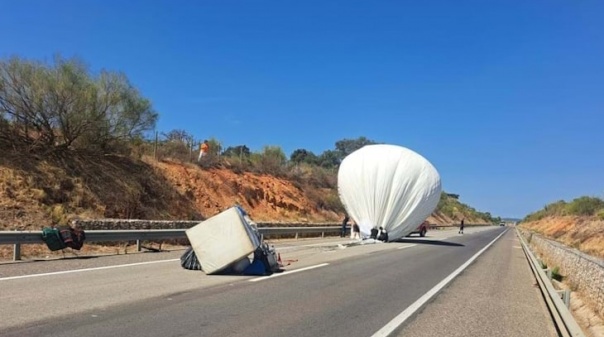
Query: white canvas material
x=222 y=240
x=388 y=186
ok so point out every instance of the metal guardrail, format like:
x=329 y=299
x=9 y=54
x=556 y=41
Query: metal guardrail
x=564 y=320
x=33 y=237
x=17 y=238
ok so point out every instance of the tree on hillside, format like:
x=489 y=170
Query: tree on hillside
x=63 y=105
x=345 y=147
x=239 y=151
x=329 y=159
x=585 y=206
x=270 y=160
x=178 y=135
x=303 y=156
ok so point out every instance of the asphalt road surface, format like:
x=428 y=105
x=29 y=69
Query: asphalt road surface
x=327 y=290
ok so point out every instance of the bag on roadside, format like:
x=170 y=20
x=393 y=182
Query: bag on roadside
x=72 y=237
x=52 y=238
x=189 y=260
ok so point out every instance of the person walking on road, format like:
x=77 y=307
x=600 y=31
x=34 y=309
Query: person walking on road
x=344 y=223
x=461 y=227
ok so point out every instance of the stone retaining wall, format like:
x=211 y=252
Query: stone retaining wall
x=116 y=224
x=584 y=273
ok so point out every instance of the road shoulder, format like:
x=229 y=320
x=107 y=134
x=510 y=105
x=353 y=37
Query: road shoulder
x=495 y=296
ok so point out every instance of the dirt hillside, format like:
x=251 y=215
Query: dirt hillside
x=36 y=192
x=39 y=191
x=583 y=233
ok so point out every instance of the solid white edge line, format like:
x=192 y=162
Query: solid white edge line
x=409 y=246
x=83 y=270
x=288 y=272
x=391 y=326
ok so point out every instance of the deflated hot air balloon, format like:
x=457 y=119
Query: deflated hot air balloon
x=388 y=186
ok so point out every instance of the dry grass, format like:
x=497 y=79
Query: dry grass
x=36 y=192
x=583 y=233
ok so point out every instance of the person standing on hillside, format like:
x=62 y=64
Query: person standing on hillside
x=344 y=223
x=203 y=149
x=461 y=227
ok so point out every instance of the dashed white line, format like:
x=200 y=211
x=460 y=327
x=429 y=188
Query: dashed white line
x=84 y=270
x=288 y=272
x=409 y=246
x=391 y=326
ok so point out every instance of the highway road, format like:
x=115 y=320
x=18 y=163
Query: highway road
x=329 y=289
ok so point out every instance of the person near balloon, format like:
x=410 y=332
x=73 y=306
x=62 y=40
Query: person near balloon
x=344 y=223
x=374 y=233
x=383 y=235
x=461 y=225
x=356 y=231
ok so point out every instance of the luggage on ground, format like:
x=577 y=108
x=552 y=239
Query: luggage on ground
x=72 y=237
x=189 y=260
x=52 y=238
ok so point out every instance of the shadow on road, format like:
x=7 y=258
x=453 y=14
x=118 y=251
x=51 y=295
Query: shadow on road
x=430 y=242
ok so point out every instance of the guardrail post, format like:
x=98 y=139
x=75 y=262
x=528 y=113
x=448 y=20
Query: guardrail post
x=17 y=252
x=565 y=295
x=322 y=235
x=138 y=246
x=296 y=235
x=548 y=272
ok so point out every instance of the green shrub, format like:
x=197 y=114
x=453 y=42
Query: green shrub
x=584 y=206
x=556 y=274
x=580 y=206
x=600 y=214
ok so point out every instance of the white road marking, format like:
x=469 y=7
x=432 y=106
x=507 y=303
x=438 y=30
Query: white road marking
x=313 y=245
x=288 y=272
x=83 y=270
x=391 y=326
x=409 y=246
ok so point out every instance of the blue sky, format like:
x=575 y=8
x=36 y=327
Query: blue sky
x=505 y=98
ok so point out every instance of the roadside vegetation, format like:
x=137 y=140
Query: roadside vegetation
x=450 y=206
x=577 y=223
x=583 y=206
x=72 y=132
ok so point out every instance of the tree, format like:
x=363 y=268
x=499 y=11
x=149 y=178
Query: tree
x=345 y=147
x=303 y=156
x=239 y=151
x=329 y=159
x=585 y=206
x=179 y=135
x=272 y=159
x=63 y=105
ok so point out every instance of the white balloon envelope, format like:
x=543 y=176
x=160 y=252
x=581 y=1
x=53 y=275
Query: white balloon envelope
x=388 y=186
